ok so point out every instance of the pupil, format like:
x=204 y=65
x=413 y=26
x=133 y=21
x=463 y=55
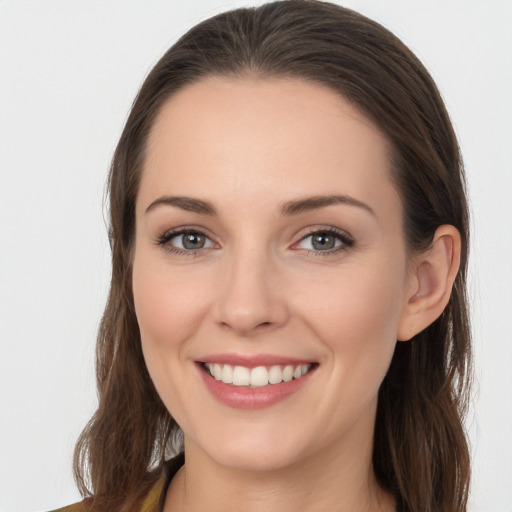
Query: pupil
x=323 y=242
x=193 y=241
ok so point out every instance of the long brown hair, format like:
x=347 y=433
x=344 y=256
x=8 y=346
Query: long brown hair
x=420 y=449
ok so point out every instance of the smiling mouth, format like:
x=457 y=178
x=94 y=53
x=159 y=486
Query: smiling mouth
x=258 y=377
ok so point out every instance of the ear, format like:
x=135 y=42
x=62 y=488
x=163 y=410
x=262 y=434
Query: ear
x=430 y=282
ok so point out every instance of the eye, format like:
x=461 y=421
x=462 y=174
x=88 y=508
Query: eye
x=327 y=241
x=185 y=241
x=190 y=240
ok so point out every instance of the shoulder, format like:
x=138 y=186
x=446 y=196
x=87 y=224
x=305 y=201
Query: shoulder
x=82 y=506
x=149 y=503
x=153 y=500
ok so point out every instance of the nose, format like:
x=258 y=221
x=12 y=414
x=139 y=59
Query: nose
x=251 y=298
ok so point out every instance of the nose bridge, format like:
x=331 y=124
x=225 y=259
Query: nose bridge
x=248 y=298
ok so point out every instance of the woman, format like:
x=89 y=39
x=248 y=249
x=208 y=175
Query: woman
x=287 y=323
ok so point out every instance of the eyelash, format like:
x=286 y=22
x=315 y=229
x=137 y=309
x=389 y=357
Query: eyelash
x=347 y=241
x=166 y=237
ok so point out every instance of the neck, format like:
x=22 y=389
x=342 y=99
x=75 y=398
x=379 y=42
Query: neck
x=335 y=479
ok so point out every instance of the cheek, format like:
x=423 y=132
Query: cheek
x=167 y=304
x=364 y=301
x=356 y=316
x=168 y=307
x=373 y=306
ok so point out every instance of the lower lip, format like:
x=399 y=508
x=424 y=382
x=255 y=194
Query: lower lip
x=242 y=397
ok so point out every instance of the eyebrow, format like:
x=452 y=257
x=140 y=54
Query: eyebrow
x=189 y=204
x=315 y=202
x=296 y=207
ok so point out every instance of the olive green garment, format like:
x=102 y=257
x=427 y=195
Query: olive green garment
x=150 y=503
x=153 y=502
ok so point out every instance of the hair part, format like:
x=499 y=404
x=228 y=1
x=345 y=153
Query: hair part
x=420 y=451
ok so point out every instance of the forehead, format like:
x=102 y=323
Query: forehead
x=280 y=135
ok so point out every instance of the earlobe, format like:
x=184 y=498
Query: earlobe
x=431 y=279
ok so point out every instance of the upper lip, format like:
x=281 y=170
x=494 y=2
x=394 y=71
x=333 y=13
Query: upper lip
x=252 y=361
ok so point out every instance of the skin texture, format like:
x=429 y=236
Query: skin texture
x=259 y=286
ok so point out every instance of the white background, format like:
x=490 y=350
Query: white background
x=68 y=73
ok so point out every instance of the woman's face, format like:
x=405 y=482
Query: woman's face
x=269 y=243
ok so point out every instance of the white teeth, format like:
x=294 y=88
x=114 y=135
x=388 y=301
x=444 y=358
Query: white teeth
x=241 y=376
x=217 y=371
x=227 y=374
x=256 y=377
x=259 y=377
x=275 y=375
x=288 y=373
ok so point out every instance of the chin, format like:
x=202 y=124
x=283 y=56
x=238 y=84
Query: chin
x=251 y=452
x=255 y=460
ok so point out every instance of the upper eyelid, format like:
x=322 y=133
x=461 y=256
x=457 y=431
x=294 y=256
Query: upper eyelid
x=325 y=229
x=187 y=229
x=321 y=229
